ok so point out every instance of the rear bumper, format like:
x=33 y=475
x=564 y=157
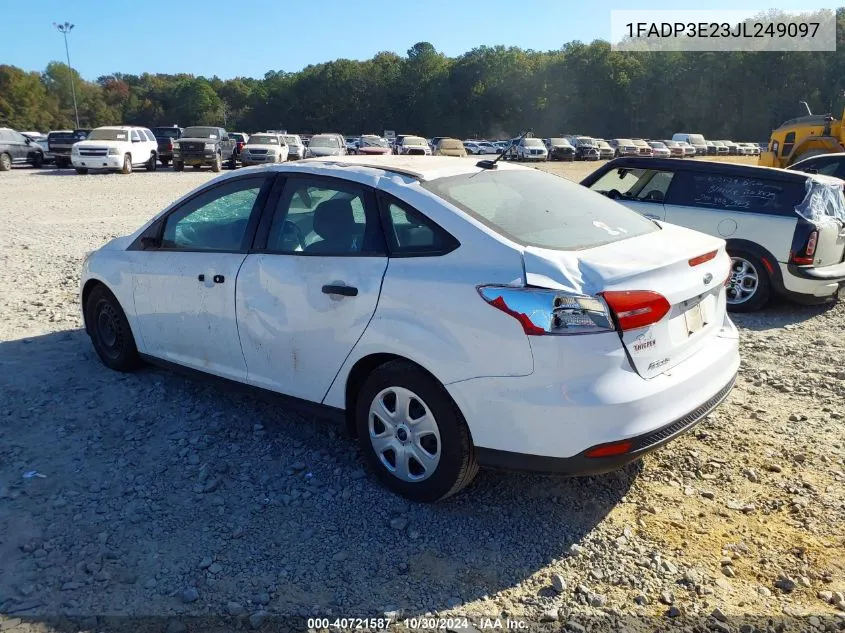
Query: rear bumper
x=799 y=283
x=581 y=464
x=584 y=393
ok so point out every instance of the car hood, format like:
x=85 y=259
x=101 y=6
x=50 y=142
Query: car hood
x=324 y=151
x=267 y=146
x=374 y=150
x=191 y=139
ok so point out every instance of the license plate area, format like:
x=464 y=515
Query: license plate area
x=694 y=316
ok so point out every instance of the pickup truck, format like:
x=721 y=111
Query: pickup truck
x=165 y=137
x=204 y=145
x=60 y=143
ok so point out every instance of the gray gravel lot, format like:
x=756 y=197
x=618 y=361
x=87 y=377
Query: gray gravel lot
x=164 y=496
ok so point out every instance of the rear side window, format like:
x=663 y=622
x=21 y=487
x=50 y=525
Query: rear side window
x=409 y=233
x=737 y=193
x=535 y=208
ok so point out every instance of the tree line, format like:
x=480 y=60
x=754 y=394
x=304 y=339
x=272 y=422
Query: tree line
x=490 y=91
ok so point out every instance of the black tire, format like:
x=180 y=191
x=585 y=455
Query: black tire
x=5 y=162
x=217 y=165
x=233 y=162
x=164 y=161
x=109 y=331
x=457 y=465
x=82 y=171
x=62 y=163
x=127 y=164
x=38 y=161
x=760 y=297
x=152 y=164
x=178 y=165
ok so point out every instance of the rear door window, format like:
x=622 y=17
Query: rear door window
x=736 y=193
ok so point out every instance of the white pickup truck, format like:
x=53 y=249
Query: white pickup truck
x=116 y=148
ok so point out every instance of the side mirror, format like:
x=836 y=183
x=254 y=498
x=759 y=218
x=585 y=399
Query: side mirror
x=150 y=241
x=136 y=140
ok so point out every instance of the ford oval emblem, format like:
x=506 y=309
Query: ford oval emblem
x=708 y=278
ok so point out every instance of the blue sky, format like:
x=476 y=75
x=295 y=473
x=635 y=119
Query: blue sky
x=249 y=37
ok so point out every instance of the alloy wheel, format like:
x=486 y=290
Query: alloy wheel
x=743 y=281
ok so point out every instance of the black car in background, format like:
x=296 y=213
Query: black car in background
x=204 y=145
x=60 y=143
x=166 y=135
x=559 y=149
x=17 y=149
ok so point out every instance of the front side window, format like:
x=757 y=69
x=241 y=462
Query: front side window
x=317 y=216
x=215 y=220
x=535 y=208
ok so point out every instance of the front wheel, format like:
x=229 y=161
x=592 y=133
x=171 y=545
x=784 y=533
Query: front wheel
x=109 y=331
x=749 y=286
x=217 y=164
x=5 y=162
x=412 y=433
x=127 y=164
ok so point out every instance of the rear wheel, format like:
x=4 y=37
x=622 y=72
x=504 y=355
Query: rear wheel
x=5 y=162
x=127 y=164
x=38 y=161
x=233 y=162
x=412 y=433
x=749 y=286
x=109 y=331
x=151 y=164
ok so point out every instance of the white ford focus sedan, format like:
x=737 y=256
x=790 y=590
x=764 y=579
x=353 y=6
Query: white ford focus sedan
x=459 y=316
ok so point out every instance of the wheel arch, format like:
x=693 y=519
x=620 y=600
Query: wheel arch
x=359 y=372
x=95 y=281
x=770 y=262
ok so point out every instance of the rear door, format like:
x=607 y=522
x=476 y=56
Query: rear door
x=639 y=189
x=309 y=289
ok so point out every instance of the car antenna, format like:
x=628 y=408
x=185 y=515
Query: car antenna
x=491 y=164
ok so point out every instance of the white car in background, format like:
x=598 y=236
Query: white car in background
x=414 y=146
x=456 y=316
x=116 y=148
x=531 y=149
x=296 y=148
x=264 y=148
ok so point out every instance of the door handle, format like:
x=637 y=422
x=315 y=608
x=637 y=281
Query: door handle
x=200 y=277
x=219 y=279
x=346 y=291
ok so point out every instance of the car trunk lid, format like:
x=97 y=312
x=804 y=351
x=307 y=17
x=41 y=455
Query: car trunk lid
x=685 y=267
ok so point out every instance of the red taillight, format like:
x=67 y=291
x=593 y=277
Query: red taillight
x=609 y=450
x=695 y=261
x=169 y=144
x=636 y=308
x=806 y=257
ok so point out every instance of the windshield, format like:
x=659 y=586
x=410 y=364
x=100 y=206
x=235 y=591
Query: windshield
x=414 y=140
x=604 y=144
x=374 y=141
x=718 y=143
x=291 y=140
x=324 y=141
x=586 y=140
x=106 y=134
x=200 y=132
x=168 y=132
x=532 y=142
x=558 y=141
x=535 y=208
x=657 y=145
x=624 y=141
x=450 y=143
x=263 y=139
x=696 y=139
x=639 y=142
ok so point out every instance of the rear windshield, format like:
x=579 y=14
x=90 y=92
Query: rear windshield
x=107 y=134
x=200 y=132
x=535 y=208
x=291 y=140
x=450 y=143
x=324 y=141
x=696 y=139
x=263 y=139
x=168 y=132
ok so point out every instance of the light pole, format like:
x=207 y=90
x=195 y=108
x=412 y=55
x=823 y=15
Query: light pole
x=64 y=29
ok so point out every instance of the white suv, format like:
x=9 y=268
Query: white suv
x=116 y=148
x=785 y=231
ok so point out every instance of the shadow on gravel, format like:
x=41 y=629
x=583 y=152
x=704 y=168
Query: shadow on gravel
x=151 y=494
x=780 y=313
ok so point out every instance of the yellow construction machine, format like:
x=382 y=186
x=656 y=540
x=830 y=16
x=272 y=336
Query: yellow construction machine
x=802 y=138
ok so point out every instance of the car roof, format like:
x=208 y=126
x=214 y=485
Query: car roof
x=817 y=156
x=423 y=168
x=705 y=166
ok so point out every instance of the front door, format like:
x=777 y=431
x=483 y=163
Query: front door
x=305 y=299
x=185 y=288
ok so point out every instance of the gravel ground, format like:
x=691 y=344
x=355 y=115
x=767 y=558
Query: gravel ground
x=159 y=496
